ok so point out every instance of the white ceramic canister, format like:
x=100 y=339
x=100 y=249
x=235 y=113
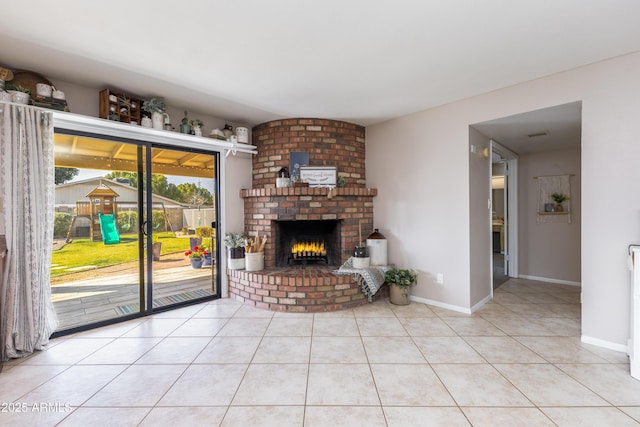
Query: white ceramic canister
x=283 y=182
x=243 y=134
x=377 y=247
x=254 y=261
x=57 y=94
x=361 y=262
x=43 y=89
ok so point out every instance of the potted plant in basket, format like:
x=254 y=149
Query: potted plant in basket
x=235 y=242
x=196 y=256
x=559 y=198
x=400 y=281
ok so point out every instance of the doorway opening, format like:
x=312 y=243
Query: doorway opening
x=504 y=213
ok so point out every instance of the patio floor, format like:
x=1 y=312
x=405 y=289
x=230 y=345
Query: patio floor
x=111 y=292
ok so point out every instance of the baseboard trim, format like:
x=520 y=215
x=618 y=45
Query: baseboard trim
x=441 y=304
x=605 y=344
x=549 y=280
x=482 y=302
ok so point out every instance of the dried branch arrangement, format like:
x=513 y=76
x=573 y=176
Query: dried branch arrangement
x=256 y=244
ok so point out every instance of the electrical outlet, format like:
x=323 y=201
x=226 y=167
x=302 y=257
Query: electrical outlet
x=440 y=278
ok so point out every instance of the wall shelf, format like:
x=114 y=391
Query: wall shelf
x=122 y=106
x=553 y=213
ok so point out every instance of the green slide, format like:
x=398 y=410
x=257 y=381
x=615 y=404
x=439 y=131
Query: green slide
x=108 y=229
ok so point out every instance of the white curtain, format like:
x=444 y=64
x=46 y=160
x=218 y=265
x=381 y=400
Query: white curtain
x=27 y=315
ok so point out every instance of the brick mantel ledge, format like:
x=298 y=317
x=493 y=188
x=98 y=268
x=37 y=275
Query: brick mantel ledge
x=308 y=191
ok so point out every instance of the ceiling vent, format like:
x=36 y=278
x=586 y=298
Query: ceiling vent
x=535 y=135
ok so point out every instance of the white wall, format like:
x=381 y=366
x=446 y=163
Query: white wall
x=479 y=218
x=237 y=174
x=420 y=165
x=549 y=250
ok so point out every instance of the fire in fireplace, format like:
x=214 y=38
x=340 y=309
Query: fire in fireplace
x=308 y=251
x=307 y=242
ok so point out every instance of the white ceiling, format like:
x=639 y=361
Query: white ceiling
x=521 y=133
x=363 y=61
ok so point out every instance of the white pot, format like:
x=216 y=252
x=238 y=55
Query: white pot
x=43 y=89
x=243 y=134
x=254 y=261
x=283 y=182
x=361 y=262
x=235 y=263
x=58 y=94
x=197 y=131
x=157 y=120
x=19 y=97
x=146 y=122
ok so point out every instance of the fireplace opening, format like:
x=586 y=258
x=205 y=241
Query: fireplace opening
x=307 y=242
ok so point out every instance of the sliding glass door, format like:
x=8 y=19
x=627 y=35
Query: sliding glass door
x=127 y=213
x=181 y=218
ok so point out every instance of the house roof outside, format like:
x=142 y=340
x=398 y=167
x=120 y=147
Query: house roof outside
x=125 y=190
x=102 y=190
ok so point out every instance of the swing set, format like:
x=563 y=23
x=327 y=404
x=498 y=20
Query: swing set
x=130 y=212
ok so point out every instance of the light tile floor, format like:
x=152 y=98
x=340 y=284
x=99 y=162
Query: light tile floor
x=516 y=362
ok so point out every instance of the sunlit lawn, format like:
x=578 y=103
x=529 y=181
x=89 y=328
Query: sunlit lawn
x=83 y=254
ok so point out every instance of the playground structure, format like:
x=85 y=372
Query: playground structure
x=108 y=229
x=102 y=213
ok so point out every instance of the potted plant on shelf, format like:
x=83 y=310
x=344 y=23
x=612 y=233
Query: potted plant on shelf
x=559 y=198
x=400 y=281
x=235 y=242
x=196 y=126
x=157 y=108
x=196 y=256
x=19 y=94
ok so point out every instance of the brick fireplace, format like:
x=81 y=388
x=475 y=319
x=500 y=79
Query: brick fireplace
x=336 y=215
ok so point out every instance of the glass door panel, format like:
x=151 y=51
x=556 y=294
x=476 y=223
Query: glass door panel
x=182 y=211
x=96 y=267
x=130 y=219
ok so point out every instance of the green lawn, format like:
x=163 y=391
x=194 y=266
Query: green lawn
x=82 y=252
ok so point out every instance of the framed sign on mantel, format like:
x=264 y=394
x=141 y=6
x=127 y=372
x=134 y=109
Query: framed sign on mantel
x=318 y=176
x=296 y=160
